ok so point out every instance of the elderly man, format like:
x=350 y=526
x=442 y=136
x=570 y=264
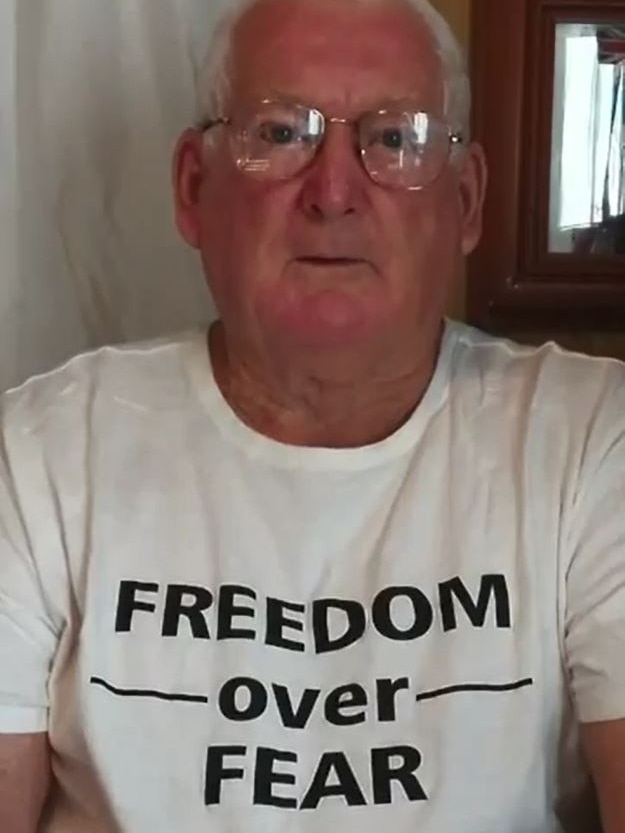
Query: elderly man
x=345 y=565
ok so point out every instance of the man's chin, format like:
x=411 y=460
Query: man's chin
x=327 y=320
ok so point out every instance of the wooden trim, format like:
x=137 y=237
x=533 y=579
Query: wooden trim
x=513 y=277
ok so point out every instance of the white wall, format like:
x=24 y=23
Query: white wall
x=93 y=94
x=8 y=189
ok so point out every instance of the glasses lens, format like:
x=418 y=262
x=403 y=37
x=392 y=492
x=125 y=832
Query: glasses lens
x=406 y=150
x=277 y=140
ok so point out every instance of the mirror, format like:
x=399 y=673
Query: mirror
x=549 y=94
x=587 y=194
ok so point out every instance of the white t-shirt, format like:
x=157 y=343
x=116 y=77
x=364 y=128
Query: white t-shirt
x=221 y=632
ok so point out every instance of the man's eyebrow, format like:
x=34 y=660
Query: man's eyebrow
x=411 y=102
x=274 y=94
x=408 y=102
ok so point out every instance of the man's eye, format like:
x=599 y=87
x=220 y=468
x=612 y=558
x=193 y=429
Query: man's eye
x=277 y=134
x=392 y=138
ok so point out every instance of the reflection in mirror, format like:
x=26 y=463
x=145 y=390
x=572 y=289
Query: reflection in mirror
x=587 y=207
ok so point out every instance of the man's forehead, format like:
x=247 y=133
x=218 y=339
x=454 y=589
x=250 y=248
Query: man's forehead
x=343 y=51
x=333 y=104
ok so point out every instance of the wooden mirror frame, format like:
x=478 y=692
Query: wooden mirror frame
x=514 y=282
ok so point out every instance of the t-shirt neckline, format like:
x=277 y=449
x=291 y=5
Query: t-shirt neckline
x=281 y=455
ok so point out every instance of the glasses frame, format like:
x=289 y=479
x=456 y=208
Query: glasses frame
x=455 y=138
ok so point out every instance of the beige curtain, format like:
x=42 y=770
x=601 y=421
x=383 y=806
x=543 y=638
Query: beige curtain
x=93 y=94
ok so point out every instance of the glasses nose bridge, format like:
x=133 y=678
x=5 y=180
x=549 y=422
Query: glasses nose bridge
x=352 y=124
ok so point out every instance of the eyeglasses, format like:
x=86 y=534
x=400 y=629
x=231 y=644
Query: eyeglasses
x=275 y=140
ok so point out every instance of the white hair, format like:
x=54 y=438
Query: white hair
x=214 y=83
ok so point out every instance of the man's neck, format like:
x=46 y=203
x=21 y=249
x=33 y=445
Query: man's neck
x=308 y=408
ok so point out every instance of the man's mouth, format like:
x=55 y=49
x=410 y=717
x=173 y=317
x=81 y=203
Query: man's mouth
x=330 y=261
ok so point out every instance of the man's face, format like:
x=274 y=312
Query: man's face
x=328 y=259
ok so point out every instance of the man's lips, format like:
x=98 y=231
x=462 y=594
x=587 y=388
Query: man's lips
x=316 y=260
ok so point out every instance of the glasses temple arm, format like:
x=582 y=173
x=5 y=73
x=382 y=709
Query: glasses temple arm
x=209 y=124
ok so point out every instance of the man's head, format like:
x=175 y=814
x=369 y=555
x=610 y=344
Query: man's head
x=349 y=243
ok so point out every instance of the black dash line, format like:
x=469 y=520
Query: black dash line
x=159 y=695
x=454 y=689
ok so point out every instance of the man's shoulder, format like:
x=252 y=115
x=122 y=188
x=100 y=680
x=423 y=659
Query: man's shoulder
x=545 y=390
x=548 y=368
x=134 y=370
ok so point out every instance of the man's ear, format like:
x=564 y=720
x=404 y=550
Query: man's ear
x=188 y=177
x=473 y=176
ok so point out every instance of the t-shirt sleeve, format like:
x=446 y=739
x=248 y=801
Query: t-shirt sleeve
x=595 y=575
x=28 y=630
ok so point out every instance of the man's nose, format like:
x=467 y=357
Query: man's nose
x=335 y=183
